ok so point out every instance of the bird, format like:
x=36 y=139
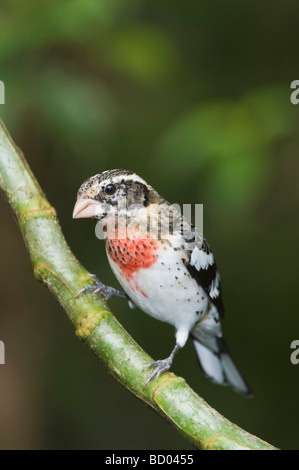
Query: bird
x=165 y=267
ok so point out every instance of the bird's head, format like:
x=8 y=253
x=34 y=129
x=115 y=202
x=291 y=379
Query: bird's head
x=112 y=193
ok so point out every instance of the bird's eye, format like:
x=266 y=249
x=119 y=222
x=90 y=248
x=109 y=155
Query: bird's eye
x=110 y=189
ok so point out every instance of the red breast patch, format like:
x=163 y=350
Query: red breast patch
x=134 y=254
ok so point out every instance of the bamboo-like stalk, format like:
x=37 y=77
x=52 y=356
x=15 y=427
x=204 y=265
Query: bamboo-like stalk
x=56 y=266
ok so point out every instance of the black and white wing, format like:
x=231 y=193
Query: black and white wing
x=212 y=352
x=202 y=267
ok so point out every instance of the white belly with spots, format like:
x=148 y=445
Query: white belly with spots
x=166 y=291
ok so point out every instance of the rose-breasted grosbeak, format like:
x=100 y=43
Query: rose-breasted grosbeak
x=164 y=265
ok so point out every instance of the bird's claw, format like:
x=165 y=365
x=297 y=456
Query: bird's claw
x=99 y=288
x=162 y=366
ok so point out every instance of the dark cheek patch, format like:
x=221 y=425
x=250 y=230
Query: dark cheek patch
x=131 y=255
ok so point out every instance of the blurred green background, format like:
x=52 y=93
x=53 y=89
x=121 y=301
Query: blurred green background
x=195 y=97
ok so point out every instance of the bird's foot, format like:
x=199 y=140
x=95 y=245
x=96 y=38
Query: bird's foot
x=106 y=291
x=162 y=365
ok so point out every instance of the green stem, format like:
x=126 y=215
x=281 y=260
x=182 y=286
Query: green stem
x=56 y=266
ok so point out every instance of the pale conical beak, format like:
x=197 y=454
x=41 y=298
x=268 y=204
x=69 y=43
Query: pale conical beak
x=86 y=208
